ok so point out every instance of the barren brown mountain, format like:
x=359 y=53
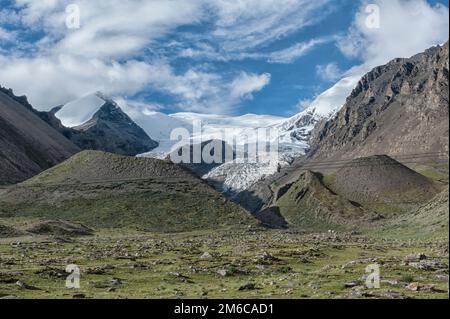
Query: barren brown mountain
x=398 y=108
x=28 y=145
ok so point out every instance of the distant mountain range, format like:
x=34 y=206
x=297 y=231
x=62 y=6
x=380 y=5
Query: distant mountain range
x=380 y=157
x=291 y=133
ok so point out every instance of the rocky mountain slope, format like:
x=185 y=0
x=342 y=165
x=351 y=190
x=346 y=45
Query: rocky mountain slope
x=28 y=145
x=111 y=130
x=398 y=108
x=361 y=192
x=382 y=179
x=103 y=190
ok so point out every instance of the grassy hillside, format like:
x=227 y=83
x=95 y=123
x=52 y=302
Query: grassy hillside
x=375 y=195
x=104 y=190
x=308 y=204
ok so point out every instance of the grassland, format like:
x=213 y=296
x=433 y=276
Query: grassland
x=252 y=263
x=161 y=237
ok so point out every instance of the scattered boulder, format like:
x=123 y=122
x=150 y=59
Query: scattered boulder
x=249 y=286
x=429 y=265
x=206 y=255
x=223 y=272
x=26 y=286
x=423 y=288
x=116 y=281
x=415 y=258
x=266 y=259
x=352 y=284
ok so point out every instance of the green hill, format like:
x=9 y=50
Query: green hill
x=308 y=204
x=103 y=190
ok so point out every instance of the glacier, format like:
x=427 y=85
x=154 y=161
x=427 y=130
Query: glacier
x=291 y=134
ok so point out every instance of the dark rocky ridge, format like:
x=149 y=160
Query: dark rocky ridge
x=225 y=153
x=28 y=145
x=398 y=108
x=111 y=130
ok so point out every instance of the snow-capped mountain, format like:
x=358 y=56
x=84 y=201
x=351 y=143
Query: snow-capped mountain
x=80 y=111
x=291 y=134
x=96 y=122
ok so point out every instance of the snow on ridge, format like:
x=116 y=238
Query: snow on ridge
x=78 y=112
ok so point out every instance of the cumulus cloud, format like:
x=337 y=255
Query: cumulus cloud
x=55 y=80
x=106 y=53
x=406 y=27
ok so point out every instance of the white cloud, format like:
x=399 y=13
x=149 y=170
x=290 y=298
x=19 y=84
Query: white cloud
x=329 y=72
x=204 y=92
x=52 y=81
x=251 y=23
x=246 y=84
x=102 y=55
x=296 y=51
x=303 y=105
x=6 y=35
x=110 y=29
x=407 y=27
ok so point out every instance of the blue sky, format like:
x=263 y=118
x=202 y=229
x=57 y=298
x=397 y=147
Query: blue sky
x=217 y=56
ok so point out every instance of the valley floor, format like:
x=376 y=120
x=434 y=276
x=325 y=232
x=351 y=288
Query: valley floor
x=247 y=263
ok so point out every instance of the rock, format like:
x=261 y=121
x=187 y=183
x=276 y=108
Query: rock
x=442 y=278
x=25 y=286
x=414 y=286
x=314 y=285
x=222 y=272
x=415 y=258
x=352 y=284
x=424 y=288
x=79 y=296
x=116 y=281
x=248 y=286
x=266 y=259
x=429 y=265
x=96 y=271
x=182 y=278
x=393 y=295
x=206 y=255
